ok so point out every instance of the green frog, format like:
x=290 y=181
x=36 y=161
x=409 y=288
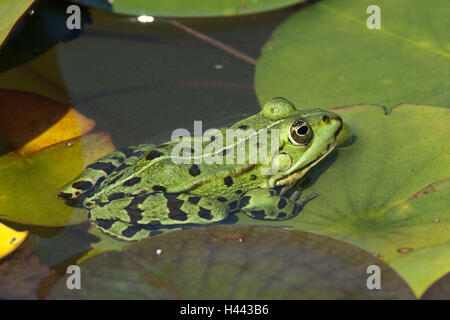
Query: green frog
x=144 y=190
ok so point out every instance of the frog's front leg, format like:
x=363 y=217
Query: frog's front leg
x=142 y=215
x=104 y=167
x=273 y=204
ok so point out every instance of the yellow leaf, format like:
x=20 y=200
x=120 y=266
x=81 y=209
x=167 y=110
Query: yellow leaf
x=10 y=239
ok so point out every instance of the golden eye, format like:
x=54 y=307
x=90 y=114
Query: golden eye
x=300 y=133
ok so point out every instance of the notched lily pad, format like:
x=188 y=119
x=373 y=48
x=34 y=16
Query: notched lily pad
x=24 y=276
x=388 y=192
x=233 y=262
x=432 y=261
x=182 y=8
x=40 y=154
x=439 y=290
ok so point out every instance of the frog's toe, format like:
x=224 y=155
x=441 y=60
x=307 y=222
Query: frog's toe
x=301 y=201
x=75 y=189
x=64 y=195
x=295 y=196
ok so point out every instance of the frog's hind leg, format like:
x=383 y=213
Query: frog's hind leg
x=95 y=173
x=141 y=215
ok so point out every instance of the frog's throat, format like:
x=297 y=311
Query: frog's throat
x=296 y=175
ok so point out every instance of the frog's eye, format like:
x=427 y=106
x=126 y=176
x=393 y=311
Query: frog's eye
x=300 y=133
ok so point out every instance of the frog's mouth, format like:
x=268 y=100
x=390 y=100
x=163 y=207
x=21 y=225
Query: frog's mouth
x=294 y=176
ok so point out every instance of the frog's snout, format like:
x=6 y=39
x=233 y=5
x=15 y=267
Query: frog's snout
x=334 y=116
x=341 y=123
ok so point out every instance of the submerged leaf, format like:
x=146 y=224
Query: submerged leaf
x=233 y=262
x=24 y=276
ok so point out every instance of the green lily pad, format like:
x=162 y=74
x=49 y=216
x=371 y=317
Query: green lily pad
x=11 y=11
x=439 y=290
x=433 y=261
x=325 y=56
x=233 y=262
x=389 y=191
x=182 y=8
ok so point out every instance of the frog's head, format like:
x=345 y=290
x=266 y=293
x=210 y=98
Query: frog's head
x=305 y=136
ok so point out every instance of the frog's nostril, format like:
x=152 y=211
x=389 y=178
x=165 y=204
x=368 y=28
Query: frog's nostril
x=326 y=119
